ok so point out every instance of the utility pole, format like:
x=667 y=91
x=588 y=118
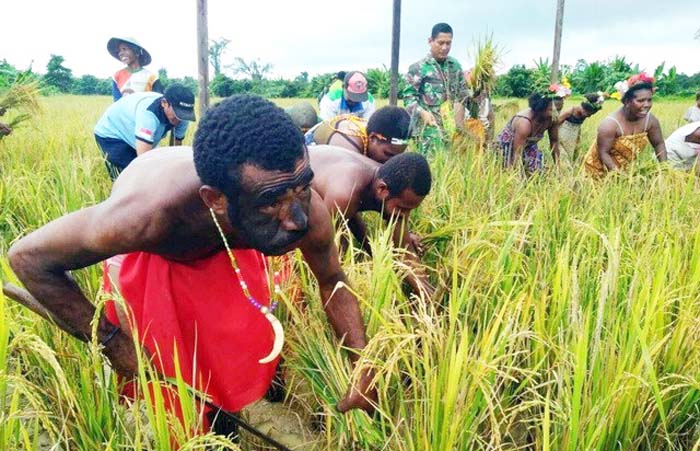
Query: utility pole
x=395 y=39
x=557 y=40
x=203 y=56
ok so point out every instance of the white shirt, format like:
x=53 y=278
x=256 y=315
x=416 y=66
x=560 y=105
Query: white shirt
x=682 y=154
x=693 y=114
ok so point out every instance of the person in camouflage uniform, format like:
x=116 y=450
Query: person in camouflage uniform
x=430 y=82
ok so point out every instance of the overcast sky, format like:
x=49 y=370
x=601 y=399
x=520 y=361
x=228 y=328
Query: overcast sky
x=326 y=36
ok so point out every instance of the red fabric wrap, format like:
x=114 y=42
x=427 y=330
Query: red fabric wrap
x=200 y=307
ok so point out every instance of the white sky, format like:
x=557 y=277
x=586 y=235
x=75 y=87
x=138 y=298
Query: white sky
x=326 y=36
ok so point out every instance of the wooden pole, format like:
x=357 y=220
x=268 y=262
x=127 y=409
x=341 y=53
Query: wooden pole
x=395 y=39
x=203 y=56
x=557 y=40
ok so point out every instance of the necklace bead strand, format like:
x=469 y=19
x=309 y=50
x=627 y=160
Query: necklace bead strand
x=277 y=290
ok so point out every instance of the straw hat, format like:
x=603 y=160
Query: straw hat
x=142 y=54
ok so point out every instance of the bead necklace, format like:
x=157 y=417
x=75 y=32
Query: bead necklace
x=265 y=310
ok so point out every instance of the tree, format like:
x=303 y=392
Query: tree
x=57 y=75
x=91 y=85
x=516 y=83
x=253 y=69
x=216 y=50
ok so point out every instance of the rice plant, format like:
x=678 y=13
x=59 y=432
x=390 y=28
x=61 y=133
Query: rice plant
x=566 y=315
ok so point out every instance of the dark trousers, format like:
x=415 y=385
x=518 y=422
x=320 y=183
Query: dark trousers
x=118 y=154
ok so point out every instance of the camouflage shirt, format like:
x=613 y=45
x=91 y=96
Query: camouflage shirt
x=429 y=84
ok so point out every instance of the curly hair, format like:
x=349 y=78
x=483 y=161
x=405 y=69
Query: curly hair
x=244 y=129
x=538 y=102
x=390 y=122
x=406 y=170
x=629 y=95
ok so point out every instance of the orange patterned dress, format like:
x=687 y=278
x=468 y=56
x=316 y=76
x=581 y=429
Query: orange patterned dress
x=625 y=149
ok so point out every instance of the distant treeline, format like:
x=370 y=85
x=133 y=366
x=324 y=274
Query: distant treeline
x=253 y=77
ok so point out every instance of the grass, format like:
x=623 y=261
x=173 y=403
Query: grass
x=569 y=312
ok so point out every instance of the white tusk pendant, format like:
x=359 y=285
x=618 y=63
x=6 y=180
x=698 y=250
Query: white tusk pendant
x=279 y=336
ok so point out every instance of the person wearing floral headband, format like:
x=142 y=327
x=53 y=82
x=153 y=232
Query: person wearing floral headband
x=518 y=140
x=626 y=132
x=558 y=92
x=570 y=122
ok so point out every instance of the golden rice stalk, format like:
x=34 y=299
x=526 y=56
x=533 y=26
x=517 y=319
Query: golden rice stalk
x=487 y=58
x=24 y=96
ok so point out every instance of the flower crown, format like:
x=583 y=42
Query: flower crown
x=623 y=86
x=557 y=90
x=598 y=104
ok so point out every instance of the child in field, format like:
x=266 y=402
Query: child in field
x=132 y=78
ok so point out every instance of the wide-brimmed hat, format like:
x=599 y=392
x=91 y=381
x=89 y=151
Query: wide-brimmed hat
x=141 y=53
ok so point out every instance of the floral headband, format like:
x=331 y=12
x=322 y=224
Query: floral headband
x=558 y=91
x=623 y=86
x=598 y=104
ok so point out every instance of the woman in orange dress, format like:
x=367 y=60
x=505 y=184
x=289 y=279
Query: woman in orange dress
x=626 y=132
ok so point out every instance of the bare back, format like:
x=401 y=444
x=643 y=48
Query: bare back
x=341 y=176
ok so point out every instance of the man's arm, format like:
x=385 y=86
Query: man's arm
x=4 y=129
x=656 y=139
x=411 y=95
x=417 y=278
x=358 y=228
x=42 y=261
x=143 y=147
x=341 y=305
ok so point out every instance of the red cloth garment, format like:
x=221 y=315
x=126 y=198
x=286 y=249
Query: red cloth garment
x=200 y=307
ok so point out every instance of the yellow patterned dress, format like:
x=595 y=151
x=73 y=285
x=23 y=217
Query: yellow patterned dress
x=625 y=149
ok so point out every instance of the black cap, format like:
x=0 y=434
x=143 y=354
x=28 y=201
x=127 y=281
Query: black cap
x=182 y=101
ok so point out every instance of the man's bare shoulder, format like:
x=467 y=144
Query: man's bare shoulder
x=151 y=194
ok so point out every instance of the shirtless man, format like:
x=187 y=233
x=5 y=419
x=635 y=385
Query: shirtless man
x=350 y=183
x=249 y=172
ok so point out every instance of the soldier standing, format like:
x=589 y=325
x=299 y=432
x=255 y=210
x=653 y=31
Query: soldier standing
x=430 y=82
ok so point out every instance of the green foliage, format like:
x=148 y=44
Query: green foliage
x=516 y=83
x=57 y=75
x=91 y=85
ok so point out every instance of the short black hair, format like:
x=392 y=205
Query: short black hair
x=406 y=170
x=590 y=103
x=629 y=95
x=438 y=28
x=538 y=102
x=390 y=122
x=244 y=129
x=340 y=75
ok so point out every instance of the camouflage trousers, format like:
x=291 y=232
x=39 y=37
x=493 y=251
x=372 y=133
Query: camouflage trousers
x=429 y=140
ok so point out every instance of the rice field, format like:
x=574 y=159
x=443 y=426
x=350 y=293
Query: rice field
x=567 y=315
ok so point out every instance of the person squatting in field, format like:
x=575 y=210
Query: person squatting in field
x=430 y=82
x=136 y=123
x=570 y=122
x=352 y=98
x=245 y=184
x=350 y=183
x=683 y=147
x=518 y=141
x=134 y=77
x=626 y=132
x=385 y=134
